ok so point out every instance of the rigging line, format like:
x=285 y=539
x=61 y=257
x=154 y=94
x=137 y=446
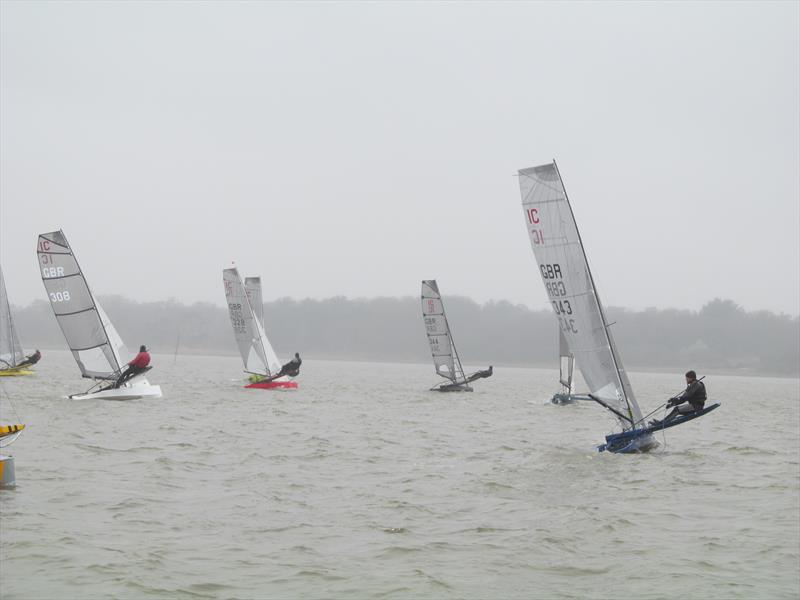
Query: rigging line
x=11 y=402
x=612 y=409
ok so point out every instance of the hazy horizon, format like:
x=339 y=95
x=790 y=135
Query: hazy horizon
x=720 y=336
x=354 y=149
x=546 y=308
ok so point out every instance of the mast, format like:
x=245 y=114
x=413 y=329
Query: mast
x=611 y=346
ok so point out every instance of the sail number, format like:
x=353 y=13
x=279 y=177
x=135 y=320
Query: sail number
x=556 y=290
x=562 y=307
x=237 y=320
x=537 y=235
x=567 y=325
x=49 y=272
x=59 y=296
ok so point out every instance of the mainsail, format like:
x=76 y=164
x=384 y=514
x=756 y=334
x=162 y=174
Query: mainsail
x=252 y=287
x=445 y=356
x=565 y=272
x=93 y=340
x=257 y=353
x=10 y=349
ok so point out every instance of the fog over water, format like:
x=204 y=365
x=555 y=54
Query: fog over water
x=354 y=149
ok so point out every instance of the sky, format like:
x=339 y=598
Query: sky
x=354 y=149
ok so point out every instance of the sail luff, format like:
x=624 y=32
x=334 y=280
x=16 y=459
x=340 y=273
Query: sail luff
x=625 y=386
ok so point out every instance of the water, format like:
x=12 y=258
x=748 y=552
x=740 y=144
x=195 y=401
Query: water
x=364 y=485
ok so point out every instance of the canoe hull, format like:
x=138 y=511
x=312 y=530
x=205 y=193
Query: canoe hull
x=136 y=389
x=16 y=372
x=273 y=385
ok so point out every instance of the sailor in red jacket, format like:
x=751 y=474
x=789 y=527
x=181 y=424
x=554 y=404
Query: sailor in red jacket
x=138 y=365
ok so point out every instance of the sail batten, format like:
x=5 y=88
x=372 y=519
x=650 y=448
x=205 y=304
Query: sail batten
x=94 y=342
x=571 y=290
x=257 y=354
x=443 y=349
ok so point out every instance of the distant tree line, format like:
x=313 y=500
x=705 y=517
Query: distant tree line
x=719 y=336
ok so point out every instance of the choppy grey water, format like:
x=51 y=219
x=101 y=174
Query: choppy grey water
x=363 y=484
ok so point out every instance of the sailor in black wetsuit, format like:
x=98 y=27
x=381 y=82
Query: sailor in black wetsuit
x=481 y=374
x=292 y=368
x=690 y=400
x=31 y=360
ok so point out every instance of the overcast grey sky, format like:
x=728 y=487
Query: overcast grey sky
x=356 y=148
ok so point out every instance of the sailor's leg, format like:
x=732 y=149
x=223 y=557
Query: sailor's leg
x=129 y=372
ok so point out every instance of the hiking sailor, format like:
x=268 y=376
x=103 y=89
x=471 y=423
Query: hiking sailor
x=481 y=374
x=31 y=360
x=138 y=365
x=292 y=368
x=690 y=400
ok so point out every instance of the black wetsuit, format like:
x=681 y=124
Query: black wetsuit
x=481 y=374
x=31 y=360
x=694 y=394
x=292 y=369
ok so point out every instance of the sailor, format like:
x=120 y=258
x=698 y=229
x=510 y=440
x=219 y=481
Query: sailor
x=138 y=365
x=690 y=400
x=31 y=360
x=481 y=374
x=292 y=368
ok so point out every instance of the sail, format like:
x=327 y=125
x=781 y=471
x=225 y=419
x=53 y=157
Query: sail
x=252 y=286
x=570 y=288
x=445 y=357
x=257 y=353
x=93 y=340
x=10 y=349
x=566 y=361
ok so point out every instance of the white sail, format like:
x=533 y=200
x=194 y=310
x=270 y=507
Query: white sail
x=257 y=353
x=445 y=356
x=566 y=362
x=252 y=287
x=10 y=349
x=93 y=340
x=565 y=272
